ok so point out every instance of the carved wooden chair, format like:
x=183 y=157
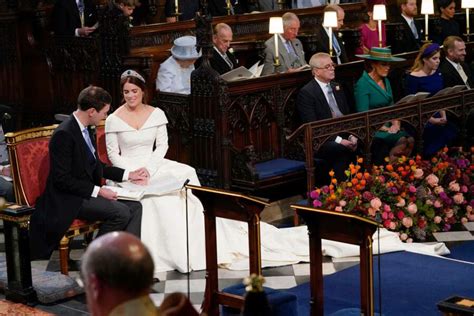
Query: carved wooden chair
x=29 y=159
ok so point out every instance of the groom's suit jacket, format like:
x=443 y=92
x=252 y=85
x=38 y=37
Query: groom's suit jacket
x=286 y=60
x=72 y=177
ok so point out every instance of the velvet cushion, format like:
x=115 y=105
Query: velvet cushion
x=33 y=161
x=281 y=303
x=278 y=167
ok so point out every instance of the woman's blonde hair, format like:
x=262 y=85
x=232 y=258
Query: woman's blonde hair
x=428 y=50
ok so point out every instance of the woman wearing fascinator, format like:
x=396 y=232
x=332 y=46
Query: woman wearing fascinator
x=425 y=76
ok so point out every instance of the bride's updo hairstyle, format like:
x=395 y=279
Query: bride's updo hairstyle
x=133 y=77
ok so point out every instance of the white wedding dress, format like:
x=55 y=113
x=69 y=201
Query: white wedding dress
x=163 y=228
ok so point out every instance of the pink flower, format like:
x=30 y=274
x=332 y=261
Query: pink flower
x=403 y=237
x=412 y=189
x=464 y=189
x=412 y=208
x=407 y=222
x=432 y=180
x=386 y=208
x=454 y=186
x=464 y=220
x=401 y=202
x=317 y=203
x=400 y=215
x=338 y=209
x=386 y=223
x=469 y=209
x=409 y=240
x=371 y=211
x=429 y=202
x=393 y=225
x=376 y=203
x=342 y=203
x=437 y=219
x=470 y=217
x=437 y=204
x=418 y=173
x=458 y=198
x=314 y=194
x=449 y=213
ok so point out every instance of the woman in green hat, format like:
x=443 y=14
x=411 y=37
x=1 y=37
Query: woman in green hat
x=373 y=91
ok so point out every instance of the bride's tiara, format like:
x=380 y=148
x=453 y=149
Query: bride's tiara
x=131 y=73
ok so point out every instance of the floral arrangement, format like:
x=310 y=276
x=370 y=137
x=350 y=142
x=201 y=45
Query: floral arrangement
x=413 y=197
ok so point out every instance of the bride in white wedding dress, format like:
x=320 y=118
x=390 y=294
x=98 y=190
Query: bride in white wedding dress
x=136 y=137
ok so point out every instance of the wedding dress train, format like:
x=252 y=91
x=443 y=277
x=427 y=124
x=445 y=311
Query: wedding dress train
x=164 y=221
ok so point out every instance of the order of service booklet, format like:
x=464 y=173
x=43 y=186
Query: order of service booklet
x=135 y=192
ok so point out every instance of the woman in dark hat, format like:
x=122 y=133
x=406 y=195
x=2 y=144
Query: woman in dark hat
x=373 y=91
x=445 y=25
x=425 y=77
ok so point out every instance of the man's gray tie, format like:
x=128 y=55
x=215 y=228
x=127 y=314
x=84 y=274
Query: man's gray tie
x=463 y=75
x=80 y=7
x=332 y=102
x=228 y=61
x=413 y=29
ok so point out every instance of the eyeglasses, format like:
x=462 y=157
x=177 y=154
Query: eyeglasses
x=327 y=67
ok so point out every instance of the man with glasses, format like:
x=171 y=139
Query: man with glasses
x=290 y=49
x=320 y=99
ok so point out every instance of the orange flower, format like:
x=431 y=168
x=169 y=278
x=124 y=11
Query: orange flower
x=360 y=160
x=389 y=167
x=334 y=181
x=354 y=181
x=363 y=182
x=359 y=175
x=366 y=175
x=331 y=173
x=411 y=162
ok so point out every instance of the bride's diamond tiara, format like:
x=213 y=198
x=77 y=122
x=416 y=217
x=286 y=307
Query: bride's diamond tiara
x=131 y=73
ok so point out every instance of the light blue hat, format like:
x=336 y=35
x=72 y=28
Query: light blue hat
x=184 y=48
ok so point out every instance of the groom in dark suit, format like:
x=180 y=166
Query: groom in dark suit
x=73 y=188
x=74 y=17
x=321 y=99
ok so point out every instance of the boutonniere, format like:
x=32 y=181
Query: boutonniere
x=339 y=35
x=231 y=50
x=337 y=87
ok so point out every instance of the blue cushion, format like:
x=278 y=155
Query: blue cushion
x=282 y=303
x=278 y=167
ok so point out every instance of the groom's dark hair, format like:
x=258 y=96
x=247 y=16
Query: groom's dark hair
x=93 y=97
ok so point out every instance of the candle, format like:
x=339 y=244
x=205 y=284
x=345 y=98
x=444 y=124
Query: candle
x=276 y=46
x=330 y=40
x=380 y=33
x=176 y=6
x=426 y=27
x=467 y=21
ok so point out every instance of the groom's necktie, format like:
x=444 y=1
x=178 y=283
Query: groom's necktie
x=87 y=138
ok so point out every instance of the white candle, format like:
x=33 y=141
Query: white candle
x=330 y=40
x=426 y=27
x=276 y=46
x=176 y=6
x=467 y=20
x=380 y=33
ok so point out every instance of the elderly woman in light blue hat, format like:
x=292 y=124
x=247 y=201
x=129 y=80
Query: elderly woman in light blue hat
x=373 y=91
x=174 y=74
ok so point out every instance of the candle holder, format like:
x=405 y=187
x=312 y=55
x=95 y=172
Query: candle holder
x=379 y=15
x=330 y=21
x=228 y=7
x=276 y=27
x=427 y=8
x=467 y=4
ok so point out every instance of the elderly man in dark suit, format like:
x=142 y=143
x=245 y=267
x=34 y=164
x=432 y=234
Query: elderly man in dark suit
x=290 y=49
x=320 y=99
x=323 y=38
x=73 y=188
x=410 y=37
x=74 y=17
x=453 y=68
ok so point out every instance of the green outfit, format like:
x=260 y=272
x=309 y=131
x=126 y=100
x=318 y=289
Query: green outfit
x=369 y=96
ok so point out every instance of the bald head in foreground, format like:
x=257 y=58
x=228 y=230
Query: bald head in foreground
x=117 y=272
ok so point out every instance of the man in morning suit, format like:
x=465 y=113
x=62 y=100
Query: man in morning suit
x=322 y=44
x=222 y=60
x=290 y=49
x=453 y=68
x=320 y=99
x=74 y=17
x=73 y=186
x=410 y=37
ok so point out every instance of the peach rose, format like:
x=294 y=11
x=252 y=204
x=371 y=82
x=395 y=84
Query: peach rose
x=454 y=186
x=464 y=220
x=376 y=203
x=437 y=204
x=392 y=225
x=438 y=189
x=458 y=198
x=432 y=180
x=412 y=208
x=401 y=202
x=338 y=209
x=342 y=203
x=407 y=222
x=437 y=219
x=418 y=173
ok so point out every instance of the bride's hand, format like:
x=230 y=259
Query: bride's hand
x=139 y=174
x=140 y=182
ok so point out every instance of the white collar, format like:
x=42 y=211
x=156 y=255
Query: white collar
x=455 y=65
x=81 y=126
x=408 y=19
